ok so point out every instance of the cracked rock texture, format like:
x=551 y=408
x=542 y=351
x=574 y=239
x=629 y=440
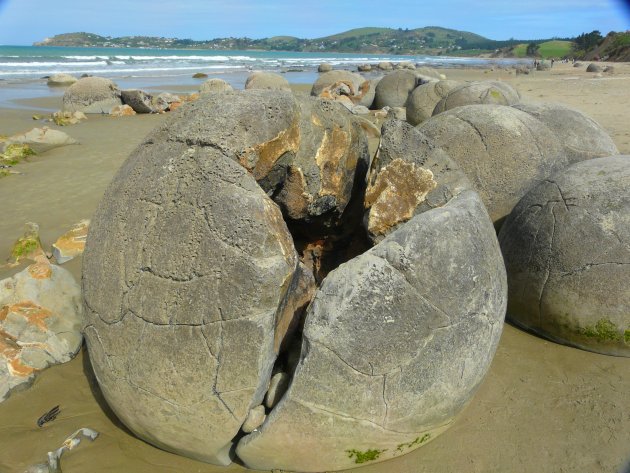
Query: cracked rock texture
x=329 y=165
x=408 y=176
x=40 y=322
x=567 y=252
x=334 y=84
x=503 y=151
x=582 y=137
x=186 y=270
x=475 y=93
x=425 y=97
x=390 y=352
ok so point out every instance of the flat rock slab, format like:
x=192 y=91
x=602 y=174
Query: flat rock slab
x=40 y=321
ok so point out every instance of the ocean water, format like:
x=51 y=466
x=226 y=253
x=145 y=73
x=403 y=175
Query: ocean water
x=23 y=68
x=30 y=62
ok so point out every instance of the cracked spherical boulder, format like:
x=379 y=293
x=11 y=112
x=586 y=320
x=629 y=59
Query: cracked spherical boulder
x=581 y=137
x=485 y=92
x=424 y=98
x=503 y=151
x=196 y=289
x=408 y=176
x=334 y=84
x=567 y=252
x=390 y=352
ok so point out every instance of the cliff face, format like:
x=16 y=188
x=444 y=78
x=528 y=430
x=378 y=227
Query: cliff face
x=614 y=47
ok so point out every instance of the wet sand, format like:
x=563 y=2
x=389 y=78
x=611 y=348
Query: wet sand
x=542 y=408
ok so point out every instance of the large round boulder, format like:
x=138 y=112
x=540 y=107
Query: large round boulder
x=473 y=93
x=185 y=325
x=324 y=67
x=567 y=252
x=198 y=332
x=91 y=95
x=429 y=72
x=214 y=86
x=592 y=67
x=425 y=97
x=394 y=89
x=266 y=80
x=395 y=343
x=335 y=84
x=502 y=150
x=581 y=137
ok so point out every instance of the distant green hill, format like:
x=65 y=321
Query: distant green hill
x=427 y=40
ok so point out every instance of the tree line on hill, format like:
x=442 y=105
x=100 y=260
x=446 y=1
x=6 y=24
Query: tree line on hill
x=427 y=40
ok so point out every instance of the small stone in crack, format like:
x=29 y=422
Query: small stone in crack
x=277 y=388
x=255 y=418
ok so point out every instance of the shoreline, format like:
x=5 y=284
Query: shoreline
x=542 y=408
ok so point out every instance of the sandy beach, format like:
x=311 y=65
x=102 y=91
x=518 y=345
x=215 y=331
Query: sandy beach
x=543 y=407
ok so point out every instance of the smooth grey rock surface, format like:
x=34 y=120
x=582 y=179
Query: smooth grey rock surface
x=567 y=252
x=214 y=86
x=425 y=97
x=394 y=89
x=266 y=80
x=593 y=68
x=473 y=93
x=91 y=95
x=581 y=137
x=503 y=151
x=184 y=326
x=324 y=67
x=395 y=343
x=420 y=177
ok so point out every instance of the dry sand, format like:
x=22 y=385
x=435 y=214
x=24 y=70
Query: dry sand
x=542 y=408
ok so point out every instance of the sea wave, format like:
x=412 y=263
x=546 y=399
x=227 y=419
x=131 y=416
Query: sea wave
x=121 y=70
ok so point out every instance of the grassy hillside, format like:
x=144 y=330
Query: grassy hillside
x=546 y=49
x=357 y=32
x=555 y=49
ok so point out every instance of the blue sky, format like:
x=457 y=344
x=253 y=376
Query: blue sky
x=26 y=21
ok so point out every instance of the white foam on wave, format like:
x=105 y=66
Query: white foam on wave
x=120 y=70
x=49 y=64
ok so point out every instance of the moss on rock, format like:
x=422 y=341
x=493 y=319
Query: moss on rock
x=363 y=457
